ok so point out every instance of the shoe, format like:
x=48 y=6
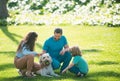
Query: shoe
x=34 y=74
x=21 y=72
x=80 y=75
x=30 y=74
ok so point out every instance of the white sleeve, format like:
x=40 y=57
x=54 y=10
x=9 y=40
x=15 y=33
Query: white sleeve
x=27 y=51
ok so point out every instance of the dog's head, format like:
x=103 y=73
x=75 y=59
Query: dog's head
x=45 y=59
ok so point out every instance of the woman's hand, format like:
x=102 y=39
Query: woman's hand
x=39 y=54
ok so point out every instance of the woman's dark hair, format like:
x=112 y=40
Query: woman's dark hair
x=58 y=30
x=28 y=41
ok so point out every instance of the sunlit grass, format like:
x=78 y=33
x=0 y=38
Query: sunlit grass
x=100 y=47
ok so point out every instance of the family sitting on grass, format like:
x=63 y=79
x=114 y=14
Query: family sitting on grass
x=24 y=59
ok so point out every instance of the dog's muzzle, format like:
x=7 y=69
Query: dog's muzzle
x=47 y=62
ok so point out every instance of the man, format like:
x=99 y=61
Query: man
x=57 y=47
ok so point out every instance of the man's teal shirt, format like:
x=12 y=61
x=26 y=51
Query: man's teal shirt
x=53 y=47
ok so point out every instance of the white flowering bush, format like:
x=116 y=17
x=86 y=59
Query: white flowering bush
x=94 y=12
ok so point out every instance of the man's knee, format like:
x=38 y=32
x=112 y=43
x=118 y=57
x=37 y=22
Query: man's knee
x=55 y=65
x=68 y=56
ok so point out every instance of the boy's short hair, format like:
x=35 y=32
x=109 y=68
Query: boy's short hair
x=58 y=30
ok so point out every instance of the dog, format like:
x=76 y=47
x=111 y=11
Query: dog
x=46 y=67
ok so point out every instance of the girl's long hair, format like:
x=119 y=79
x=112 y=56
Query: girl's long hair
x=75 y=51
x=28 y=41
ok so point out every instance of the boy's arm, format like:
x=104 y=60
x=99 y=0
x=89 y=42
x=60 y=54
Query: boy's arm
x=70 y=65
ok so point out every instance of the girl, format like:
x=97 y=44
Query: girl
x=78 y=66
x=24 y=59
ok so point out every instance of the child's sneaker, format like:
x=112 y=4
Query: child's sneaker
x=30 y=74
x=80 y=75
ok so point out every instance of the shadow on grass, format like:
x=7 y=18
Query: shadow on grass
x=9 y=34
x=41 y=78
x=104 y=63
x=67 y=77
x=13 y=35
x=9 y=53
x=91 y=50
x=107 y=63
x=95 y=76
x=105 y=74
x=6 y=66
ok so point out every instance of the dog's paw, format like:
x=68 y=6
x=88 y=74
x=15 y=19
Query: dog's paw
x=47 y=75
x=56 y=75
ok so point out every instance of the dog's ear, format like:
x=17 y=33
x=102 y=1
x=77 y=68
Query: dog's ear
x=51 y=59
x=40 y=62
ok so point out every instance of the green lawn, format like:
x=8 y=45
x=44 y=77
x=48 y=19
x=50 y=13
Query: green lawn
x=100 y=47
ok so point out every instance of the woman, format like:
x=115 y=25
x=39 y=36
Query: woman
x=24 y=60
